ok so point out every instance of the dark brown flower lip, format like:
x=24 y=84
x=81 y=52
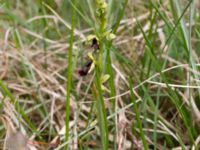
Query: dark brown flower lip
x=95 y=44
x=82 y=72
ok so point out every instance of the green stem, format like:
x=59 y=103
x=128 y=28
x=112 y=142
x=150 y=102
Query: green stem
x=101 y=111
x=110 y=70
x=102 y=119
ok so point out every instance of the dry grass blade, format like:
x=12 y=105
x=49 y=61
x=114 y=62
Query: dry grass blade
x=14 y=139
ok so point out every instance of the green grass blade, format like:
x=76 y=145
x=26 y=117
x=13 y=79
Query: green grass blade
x=70 y=75
x=139 y=122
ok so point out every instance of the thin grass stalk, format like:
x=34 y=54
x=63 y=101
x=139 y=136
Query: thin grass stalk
x=70 y=75
x=137 y=113
x=187 y=41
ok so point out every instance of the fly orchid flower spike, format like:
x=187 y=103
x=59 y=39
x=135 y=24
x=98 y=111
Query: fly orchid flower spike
x=101 y=8
x=101 y=12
